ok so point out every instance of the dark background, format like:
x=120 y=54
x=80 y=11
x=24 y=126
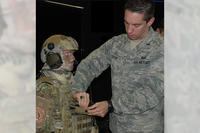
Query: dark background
x=91 y=27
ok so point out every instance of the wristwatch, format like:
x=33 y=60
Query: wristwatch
x=110 y=106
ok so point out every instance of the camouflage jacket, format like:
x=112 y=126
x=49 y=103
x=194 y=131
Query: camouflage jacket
x=56 y=111
x=137 y=76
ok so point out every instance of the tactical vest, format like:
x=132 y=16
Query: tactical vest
x=58 y=112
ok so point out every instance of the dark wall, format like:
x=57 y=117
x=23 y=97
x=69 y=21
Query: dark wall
x=159 y=13
x=55 y=19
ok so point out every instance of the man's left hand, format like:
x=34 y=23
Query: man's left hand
x=98 y=109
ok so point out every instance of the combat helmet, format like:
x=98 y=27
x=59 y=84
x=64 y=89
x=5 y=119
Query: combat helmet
x=52 y=48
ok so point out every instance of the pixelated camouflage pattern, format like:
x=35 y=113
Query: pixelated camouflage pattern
x=137 y=81
x=62 y=115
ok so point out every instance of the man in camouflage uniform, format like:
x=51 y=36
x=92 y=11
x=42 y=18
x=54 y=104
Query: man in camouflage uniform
x=137 y=70
x=56 y=111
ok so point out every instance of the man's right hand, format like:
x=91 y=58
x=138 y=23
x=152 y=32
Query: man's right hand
x=83 y=98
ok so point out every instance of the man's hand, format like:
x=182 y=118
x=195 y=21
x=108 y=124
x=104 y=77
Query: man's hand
x=83 y=98
x=98 y=109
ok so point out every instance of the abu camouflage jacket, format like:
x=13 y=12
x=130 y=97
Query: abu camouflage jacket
x=137 y=81
x=56 y=111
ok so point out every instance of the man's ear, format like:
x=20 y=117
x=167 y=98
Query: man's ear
x=150 y=22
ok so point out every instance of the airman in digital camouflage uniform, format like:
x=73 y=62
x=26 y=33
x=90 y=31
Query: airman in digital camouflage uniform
x=137 y=70
x=56 y=111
